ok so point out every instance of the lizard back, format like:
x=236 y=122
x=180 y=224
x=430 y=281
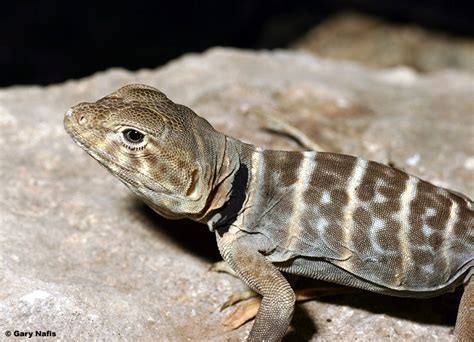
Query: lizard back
x=373 y=221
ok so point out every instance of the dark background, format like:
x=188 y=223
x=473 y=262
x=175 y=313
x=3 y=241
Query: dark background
x=43 y=42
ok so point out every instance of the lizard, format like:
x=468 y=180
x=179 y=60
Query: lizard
x=321 y=215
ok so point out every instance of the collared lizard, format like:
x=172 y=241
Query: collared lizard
x=326 y=216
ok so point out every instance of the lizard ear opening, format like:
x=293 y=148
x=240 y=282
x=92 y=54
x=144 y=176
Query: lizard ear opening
x=193 y=189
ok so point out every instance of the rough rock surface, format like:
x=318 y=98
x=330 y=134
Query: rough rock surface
x=82 y=257
x=376 y=43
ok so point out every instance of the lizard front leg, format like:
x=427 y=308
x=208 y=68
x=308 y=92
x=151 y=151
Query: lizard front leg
x=278 y=299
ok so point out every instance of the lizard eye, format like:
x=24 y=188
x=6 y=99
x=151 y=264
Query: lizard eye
x=133 y=139
x=133 y=136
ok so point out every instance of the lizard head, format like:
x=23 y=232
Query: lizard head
x=162 y=151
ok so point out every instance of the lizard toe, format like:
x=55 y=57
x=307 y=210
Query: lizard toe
x=238 y=297
x=222 y=266
x=243 y=313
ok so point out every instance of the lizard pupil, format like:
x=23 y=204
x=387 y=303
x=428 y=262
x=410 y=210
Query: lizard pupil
x=133 y=136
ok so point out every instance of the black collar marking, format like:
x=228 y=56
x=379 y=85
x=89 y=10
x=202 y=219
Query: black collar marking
x=236 y=201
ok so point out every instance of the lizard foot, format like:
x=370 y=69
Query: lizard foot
x=248 y=310
x=244 y=312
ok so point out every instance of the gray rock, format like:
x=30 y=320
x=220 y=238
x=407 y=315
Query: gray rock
x=378 y=43
x=83 y=258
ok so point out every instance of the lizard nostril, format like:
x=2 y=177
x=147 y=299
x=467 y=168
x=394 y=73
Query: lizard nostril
x=82 y=120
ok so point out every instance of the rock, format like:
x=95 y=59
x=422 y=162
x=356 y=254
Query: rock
x=83 y=258
x=377 y=43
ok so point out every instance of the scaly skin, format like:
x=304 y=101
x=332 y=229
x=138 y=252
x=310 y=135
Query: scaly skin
x=322 y=215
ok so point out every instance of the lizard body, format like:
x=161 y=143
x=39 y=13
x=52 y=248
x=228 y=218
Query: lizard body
x=322 y=215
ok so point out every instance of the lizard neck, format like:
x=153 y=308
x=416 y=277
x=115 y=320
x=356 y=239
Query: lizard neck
x=241 y=169
x=228 y=189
